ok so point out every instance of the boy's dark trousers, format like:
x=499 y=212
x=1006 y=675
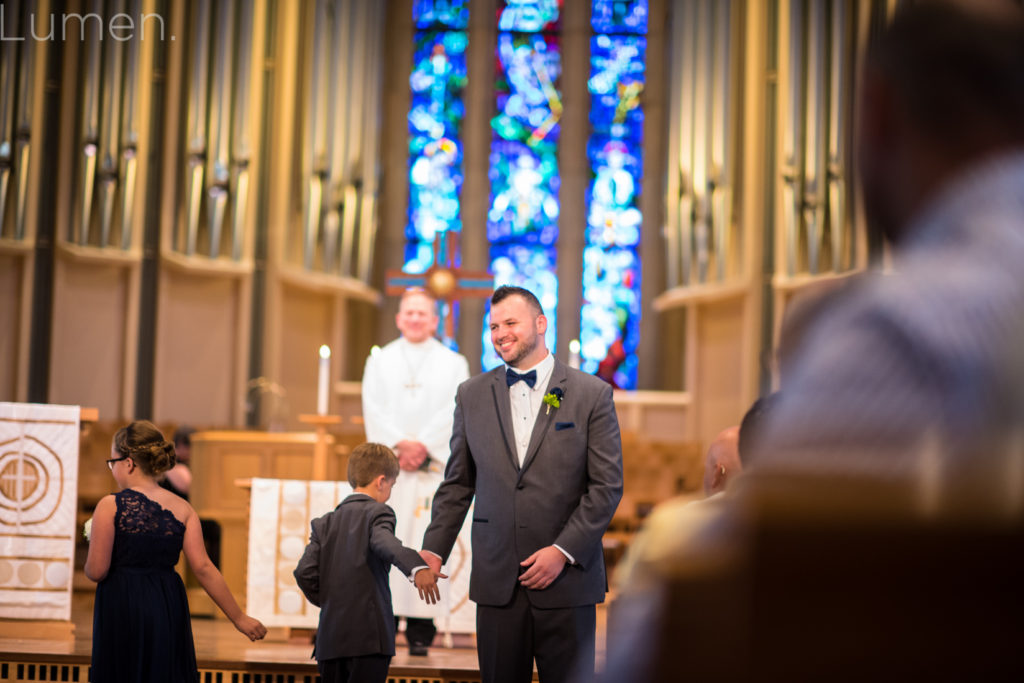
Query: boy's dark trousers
x=365 y=669
x=419 y=633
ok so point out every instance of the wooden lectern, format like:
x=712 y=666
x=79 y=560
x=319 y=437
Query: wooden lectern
x=321 y=448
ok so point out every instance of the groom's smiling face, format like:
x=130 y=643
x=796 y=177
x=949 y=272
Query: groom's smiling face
x=517 y=332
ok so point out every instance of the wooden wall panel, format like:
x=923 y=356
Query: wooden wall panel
x=230 y=456
x=720 y=378
x=11 y=290
x=308 y=320
x=91 y=361
x=360 y=336
x=201 y=349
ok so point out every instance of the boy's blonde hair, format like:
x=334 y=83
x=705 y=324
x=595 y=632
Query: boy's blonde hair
x=370 y=460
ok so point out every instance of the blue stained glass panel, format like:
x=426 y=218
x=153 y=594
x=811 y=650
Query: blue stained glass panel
x=529 y=103
x=524 y=194
x=530 y=16
x=524 y=139
x=613 y=218
x=531 y=267
x=619 y=16
x=616 y=84
x=450 y=14
x=522 y=216
x=610 y=316
x=435 y=142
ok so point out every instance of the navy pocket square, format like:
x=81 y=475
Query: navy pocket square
x=559 y=426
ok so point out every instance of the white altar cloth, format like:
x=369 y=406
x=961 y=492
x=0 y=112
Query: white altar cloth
x=38 y=501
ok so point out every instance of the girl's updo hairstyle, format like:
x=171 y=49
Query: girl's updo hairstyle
x=145 y=444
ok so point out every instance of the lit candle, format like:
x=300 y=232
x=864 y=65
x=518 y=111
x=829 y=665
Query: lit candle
x=574 y=354
x=325 y=374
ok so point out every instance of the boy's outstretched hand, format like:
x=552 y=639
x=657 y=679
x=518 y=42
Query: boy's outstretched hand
x=426 y=584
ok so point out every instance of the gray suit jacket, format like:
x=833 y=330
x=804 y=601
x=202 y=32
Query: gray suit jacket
x=344 y=572
x=565 y=493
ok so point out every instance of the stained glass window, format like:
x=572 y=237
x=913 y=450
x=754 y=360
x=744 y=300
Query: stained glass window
x=436 y=114
x=522 y=217
x=619 y=16
x=452 y=14
x=523 y=208
x=610 y=316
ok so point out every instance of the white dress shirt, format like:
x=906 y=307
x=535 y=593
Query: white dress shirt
x=526 y=404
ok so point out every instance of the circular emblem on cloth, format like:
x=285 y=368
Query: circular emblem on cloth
x=31 y=481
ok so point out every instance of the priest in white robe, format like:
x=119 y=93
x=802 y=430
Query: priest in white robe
x=408 y=404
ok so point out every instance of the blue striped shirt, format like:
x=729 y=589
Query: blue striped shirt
x=929 y=356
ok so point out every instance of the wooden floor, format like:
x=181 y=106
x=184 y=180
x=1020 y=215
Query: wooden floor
x=225 y=656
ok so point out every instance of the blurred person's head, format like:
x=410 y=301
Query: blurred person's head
x=752 y=427
x=943 y=89
x=417 y=315
x=722 y=462
x=183 y=443
x=731 y=451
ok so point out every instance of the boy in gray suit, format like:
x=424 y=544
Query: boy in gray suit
x=344 y=572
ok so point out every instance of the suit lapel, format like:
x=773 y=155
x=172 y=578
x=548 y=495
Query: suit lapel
x=503 y=406
x=559 y=375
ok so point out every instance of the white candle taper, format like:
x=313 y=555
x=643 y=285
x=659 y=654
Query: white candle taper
x=574 y=354
x=325 y=375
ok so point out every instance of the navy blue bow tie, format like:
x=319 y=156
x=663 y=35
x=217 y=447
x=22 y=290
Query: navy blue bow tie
x=511 y=376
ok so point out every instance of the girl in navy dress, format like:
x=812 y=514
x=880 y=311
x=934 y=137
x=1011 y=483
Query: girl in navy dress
x=142 y=629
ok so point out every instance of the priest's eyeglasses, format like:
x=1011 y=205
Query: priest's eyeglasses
x=111 y=461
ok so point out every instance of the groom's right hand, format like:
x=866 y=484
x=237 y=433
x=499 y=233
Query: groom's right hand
x=432 y=560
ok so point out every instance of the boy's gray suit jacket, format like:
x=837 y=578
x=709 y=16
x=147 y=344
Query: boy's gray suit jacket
x=344 y=571
x=564 y=494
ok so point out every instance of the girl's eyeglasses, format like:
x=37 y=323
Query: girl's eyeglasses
x=110 y=463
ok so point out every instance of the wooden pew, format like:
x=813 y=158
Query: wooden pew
x=653 y=471
x=805 y=578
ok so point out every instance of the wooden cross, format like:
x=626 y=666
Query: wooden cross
x=444 y=281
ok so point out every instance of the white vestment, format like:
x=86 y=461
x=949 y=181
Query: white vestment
x=409 y=393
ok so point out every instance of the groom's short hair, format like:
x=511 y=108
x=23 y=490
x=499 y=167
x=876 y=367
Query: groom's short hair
x=505 y=291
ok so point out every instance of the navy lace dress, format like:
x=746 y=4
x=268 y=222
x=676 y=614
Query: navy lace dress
x=141 y=629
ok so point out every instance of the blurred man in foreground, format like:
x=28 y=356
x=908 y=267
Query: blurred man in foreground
x=924 y=359
x=878 y=532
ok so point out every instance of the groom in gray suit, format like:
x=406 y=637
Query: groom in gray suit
x=537 y=443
